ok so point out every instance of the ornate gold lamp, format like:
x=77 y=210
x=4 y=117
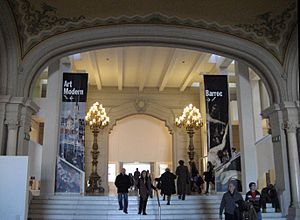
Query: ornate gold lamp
x=191 y=120
x=97 y=119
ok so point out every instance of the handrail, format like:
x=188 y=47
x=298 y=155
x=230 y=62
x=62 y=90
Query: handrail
x=82 y=174
x=158 y=203
x=263 y=138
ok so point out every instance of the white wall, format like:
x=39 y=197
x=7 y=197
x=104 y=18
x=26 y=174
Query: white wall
x=13 y=187
x=140 y=138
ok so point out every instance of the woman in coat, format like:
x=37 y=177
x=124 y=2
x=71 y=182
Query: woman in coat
x=167 y=180
x=144 y=185
x=183 y=179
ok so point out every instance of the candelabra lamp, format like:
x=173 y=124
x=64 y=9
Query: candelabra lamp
x=191 y=120
x=97 y=119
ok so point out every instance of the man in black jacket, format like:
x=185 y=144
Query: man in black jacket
x=123 y=183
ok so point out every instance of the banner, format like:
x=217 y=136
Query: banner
x=219 y=147
x=70 y=159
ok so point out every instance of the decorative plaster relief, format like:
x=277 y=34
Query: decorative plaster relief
x=141 y=105
x=270 y=30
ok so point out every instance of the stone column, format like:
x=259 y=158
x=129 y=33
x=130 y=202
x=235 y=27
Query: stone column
x=12 y=120
x=258 y=131
x=275 y=116
x=246 y=125
x=4 y=99
x=12 y=137
x=25 y=123
x=290 y=128
x=51 y=129
x=291 y=123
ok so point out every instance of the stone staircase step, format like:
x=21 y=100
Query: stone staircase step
x=106 y=207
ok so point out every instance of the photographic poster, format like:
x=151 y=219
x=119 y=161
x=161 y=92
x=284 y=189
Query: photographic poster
x=226 y=165
x=70 y=158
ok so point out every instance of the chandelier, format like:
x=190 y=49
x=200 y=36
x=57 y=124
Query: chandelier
x=97 y=119
x=191 y=120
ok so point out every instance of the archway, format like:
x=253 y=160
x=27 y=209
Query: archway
x=260 y=60
x=139 y=140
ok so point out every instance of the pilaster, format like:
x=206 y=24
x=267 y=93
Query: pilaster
x=246 y=122
x=290 y=125
x=4 y=99
x=27 y=111
x=51 y=129
x=12 y=120
x=280 y=153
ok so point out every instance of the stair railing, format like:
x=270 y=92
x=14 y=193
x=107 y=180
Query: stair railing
x=158 y=204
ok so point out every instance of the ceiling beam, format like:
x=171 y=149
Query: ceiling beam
x=95 y=66
x=148 y=57
x=222 y=65
x=194 y=70
x=169 y=65
x=120 y=70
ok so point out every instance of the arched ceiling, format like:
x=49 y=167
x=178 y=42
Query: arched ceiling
x=268 y=23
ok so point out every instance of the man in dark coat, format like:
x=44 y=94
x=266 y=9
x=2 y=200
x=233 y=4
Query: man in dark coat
x=123 y=183
x=183 y=179
x=167 y=180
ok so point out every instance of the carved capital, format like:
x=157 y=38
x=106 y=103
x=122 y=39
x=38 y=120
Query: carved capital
x=290 y=126
x=12 y=124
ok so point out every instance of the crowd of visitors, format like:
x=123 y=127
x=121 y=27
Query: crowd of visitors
x=232 y=203
x=235 y=208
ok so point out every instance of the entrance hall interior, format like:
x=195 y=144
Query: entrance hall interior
x=231 y=67
x=143 y=89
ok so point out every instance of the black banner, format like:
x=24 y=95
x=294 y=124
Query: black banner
x=226 y=166
x=74 y=87
x=216 y=95
x=70 y=159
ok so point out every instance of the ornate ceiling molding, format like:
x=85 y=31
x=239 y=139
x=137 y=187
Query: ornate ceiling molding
x=35 y=25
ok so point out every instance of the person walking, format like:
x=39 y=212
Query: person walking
x=131 y=180
x=136 y=176
x=230 y=201
x=122 y=183
x=269 y=194
x=208 y=176
x=182 y=173
x=254 y=197
x=167 y=180
x=196 y=179
x=144 y=185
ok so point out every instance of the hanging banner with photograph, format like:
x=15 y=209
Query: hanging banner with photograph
x=70 y=159
x=219 y=148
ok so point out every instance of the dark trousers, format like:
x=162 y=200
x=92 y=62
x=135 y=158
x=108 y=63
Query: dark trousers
x=267 y=198
x=207 y=185
x=230 y=217
x=121 y=197
x=143 y=205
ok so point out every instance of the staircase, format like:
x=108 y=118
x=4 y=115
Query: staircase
x=106 y=207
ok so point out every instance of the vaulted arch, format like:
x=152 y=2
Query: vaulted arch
x=269 y=69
